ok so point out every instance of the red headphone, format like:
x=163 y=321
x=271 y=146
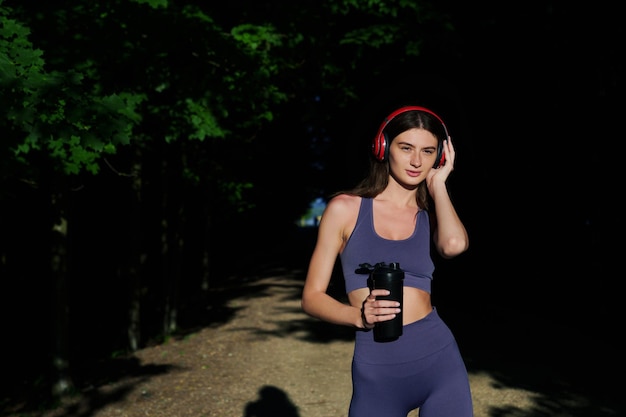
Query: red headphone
x=380 y=145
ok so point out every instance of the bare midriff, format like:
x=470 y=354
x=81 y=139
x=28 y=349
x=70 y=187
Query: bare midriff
x=415 y=304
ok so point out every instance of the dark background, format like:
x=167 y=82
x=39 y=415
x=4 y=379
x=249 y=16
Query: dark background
x=532 y=94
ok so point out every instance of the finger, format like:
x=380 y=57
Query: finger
x=384 y=310
x=379 y=293
x=376 y=318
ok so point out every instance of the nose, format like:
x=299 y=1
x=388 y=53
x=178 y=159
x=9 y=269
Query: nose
x=416 y=161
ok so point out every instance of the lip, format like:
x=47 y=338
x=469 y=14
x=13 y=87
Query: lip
x=414 y=173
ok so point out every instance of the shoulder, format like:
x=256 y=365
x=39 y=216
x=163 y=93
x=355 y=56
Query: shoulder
x=342 y=210
x=344 y=204
x=341 y=215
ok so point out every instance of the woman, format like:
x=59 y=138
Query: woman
x=392 y=216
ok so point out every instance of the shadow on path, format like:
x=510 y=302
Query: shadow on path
x=272 y=402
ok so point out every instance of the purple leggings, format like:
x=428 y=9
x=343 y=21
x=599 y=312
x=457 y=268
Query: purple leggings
x=422 y=369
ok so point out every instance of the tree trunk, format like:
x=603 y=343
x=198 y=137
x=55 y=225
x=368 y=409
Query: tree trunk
x=62 y=380
x=135 y=263
x=173 y=214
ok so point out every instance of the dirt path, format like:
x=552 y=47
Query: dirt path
x=270 y=359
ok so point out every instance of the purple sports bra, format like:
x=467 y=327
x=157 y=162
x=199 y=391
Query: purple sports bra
x=365 y=246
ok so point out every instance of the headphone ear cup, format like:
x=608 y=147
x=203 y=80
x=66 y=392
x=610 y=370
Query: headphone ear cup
x=379 y=147
x=441 y=156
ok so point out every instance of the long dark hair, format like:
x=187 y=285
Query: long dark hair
x=378 y=177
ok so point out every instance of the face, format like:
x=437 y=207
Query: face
x=411 y=155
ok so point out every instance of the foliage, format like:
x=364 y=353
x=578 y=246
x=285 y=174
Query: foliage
x=53 y=113
x=165 y=71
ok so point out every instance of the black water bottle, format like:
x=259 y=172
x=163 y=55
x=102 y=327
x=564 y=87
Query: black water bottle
x=389 y=277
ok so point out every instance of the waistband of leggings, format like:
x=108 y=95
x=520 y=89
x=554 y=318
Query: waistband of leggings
x=419 y=339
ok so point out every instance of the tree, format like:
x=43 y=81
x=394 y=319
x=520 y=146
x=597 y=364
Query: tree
x=167 y=107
